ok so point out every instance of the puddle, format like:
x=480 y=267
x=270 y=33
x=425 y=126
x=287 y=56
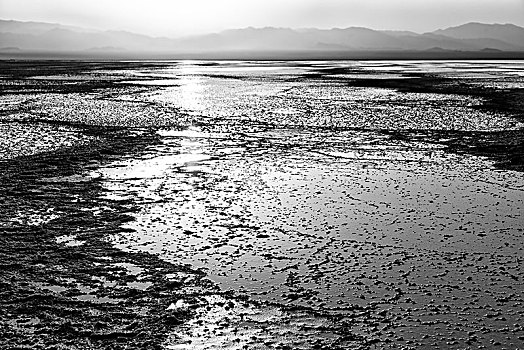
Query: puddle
x=131 y=269
x=139 y=285
x=69 y=241
x=49 y=287
x=72 y=178
x=97 y=300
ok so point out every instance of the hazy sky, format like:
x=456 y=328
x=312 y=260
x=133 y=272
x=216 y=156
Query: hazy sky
x=186 y=17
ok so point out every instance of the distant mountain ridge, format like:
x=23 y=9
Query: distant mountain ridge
x=509 y=33
x=474 y=37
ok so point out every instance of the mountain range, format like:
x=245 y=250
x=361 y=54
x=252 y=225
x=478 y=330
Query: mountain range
x=19 y=37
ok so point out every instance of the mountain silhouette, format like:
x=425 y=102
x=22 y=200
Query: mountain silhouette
x=54 y=37
x=508 y=33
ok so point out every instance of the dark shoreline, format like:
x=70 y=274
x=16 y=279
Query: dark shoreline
x=44 y=283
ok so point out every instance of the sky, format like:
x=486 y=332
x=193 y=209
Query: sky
x=174 y=18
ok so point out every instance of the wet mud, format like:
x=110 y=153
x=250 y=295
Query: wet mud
x=498 y=93
x=261 y=206
x=62 y=284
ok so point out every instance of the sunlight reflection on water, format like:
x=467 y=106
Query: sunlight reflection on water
x=314 y=193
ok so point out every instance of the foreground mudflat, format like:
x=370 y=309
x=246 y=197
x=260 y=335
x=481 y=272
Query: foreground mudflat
x=263 y=205
x=63 y=285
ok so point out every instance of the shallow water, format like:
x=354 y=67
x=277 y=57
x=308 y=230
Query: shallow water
x=287 y=190
x=286 y=215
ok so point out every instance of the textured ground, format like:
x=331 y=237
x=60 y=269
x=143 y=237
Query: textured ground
x=262 y=205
